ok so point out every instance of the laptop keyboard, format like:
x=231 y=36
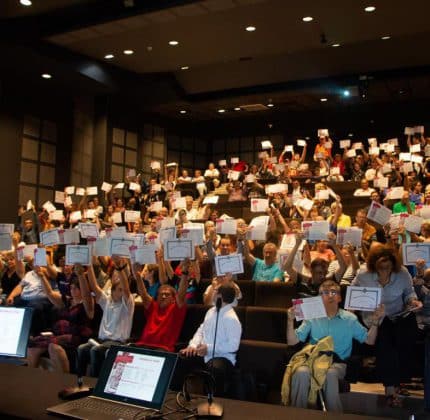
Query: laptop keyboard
x=106 y=407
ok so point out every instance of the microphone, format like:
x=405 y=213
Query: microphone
x=218 y=305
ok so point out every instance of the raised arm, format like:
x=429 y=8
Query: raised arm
x=342 y=263
x=289 y=268
x=93 y=282
x=303 y=156
x=121 y=265
x=53 y=296
x=141 y=289
x=87 y=299
x=249 y=258
x=183 y=284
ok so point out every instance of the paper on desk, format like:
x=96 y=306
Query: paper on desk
x=232 y=263
x=259 y=205
x=379 y=213
x=362 y=298
x=415 y=251
x=309 y=308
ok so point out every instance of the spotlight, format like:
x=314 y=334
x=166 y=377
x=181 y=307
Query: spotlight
x=346 y=93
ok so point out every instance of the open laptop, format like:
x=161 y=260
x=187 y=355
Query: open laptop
x=15 y=326
x=132 y=379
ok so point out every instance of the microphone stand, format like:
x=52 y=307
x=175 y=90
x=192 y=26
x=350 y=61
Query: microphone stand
x=210 y=408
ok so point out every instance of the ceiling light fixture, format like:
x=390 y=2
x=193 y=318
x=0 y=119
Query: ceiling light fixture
x=185 y=68
x=237 y=108
x=308 y=19
x=25 y=2
x=221 y=110
x=386 y=37
x=346 y=93
x=128 y=52
x=270 y=105
x=323 y=99
x=370 y=9
x=47 y=76
x=109 y=56
x=350 y=135
x=182 y=111
x=250 y=28
x=173 y=43
x=335 y=45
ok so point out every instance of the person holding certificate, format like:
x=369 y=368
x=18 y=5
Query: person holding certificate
x=397 y=332
x=343 y=327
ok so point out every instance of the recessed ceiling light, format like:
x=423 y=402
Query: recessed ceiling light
x=370 y=9
x=335 y=45
x=128 y=52
x=25 y=2
x=346 y=93
x=308 y=19
x=386 y=37
x=237 y=108
x=323 y=99
x=185 y=67
x=109 y=56
x=182 y=111
x=270 y=105
x=46 y=76
x=221 y=110
x=173 y=43
x=250 y=28
x=350 y=135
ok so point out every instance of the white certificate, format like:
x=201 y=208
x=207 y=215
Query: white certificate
x=315 y=231
x=146 y=254
x=40 y=257
x=222 y=162
x=323 y=132
x=117 y=217
x=266 y=144
x=394 y=142
x=155 y=164
x=120 y=247
x=405 y=157
x=119 y=232
x=250 y=178
x=309 y=308
x=134 y=186
x=106 y=187
x=69 y=236
x=373 y=141
x=213 y=199
x=178 y=249
x=138 y=239
x=48 y=206
x=119 y=186
x=91 y=191
x=167 y=233
x=88 y=230
x=343 y=144
x=362 y=298
x=6 y=228
x=276 y=188
x=69 y=190
x=234 y=160
x=89 y=213
x=323 y=194
x=301 y=142
x=413 y=223
x=179 y=203
x=101 y=247
x=132 y=216
x=80 y=191
x=49 y=237
x=233 y=175
x=258 y=228
x=59 y=197
x=232 y=263
x=226 y=226
x=75 y=216
x=415 y=251
x=78 y=254
x=415 y=148
x=409 y=131
x=195 y=234
x=424 y=212
x=259 y=205
x=357 y=146
x=417 y=159
x=379 y=213
x=334 y=171
x=351 y=235
x=156 y=206
x=395 y=193
x=168 y=222
x=407 y=167
x=374 y=151
x=5 y=242
x=351 y=153
x=57 y=215
x=305 y=203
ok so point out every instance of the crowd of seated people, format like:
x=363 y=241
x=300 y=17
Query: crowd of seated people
x=301 y=237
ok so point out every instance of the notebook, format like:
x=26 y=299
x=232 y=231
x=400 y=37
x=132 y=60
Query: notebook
x=131 y=380
x=15 y=326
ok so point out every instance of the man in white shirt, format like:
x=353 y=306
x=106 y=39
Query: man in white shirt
x=364 y=191
x=221 y=360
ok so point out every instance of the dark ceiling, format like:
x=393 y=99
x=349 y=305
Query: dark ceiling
x=284 y=61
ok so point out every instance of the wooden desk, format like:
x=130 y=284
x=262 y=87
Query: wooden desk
x=26 y=393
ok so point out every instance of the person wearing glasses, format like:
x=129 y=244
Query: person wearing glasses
x=343 y=327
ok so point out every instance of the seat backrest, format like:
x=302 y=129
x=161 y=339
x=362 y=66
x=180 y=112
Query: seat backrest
x=194 y=317
x=276 y=295
x=265 y=324
x=247 y=287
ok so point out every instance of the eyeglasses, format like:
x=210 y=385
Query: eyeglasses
x=329 y=292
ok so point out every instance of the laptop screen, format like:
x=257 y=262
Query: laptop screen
x=136 y=376
x=15 y=326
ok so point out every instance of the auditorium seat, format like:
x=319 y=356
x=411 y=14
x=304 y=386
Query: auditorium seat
x=277 y=295
x=265 y=324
